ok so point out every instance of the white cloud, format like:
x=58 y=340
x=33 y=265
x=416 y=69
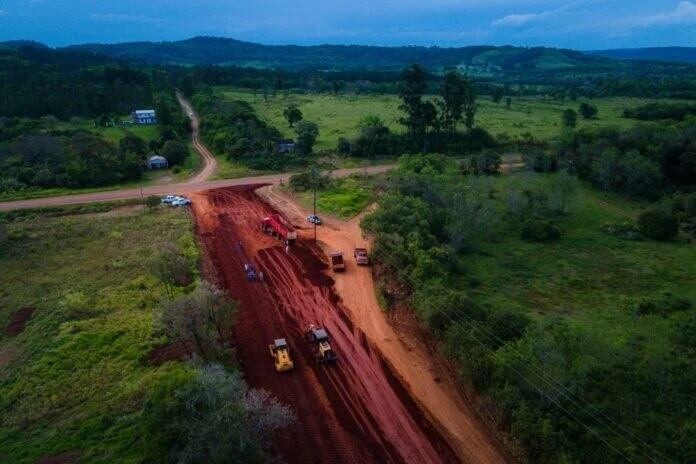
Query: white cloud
x=685 y=13
x=516 y=20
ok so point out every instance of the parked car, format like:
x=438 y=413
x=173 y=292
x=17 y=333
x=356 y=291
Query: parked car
x=314 y=219
x=181 y=201
x=169 y=199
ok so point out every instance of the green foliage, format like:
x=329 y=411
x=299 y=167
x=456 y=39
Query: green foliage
x=292 y=114
x=660 y=111
x=152 y=201
x=175 y=152
x=307 y=133
x=569 y=118
x=587 y=110
x=658 y=224
x=540 y=230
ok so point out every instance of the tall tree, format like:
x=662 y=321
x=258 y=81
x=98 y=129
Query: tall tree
x=411 y=91
x=292 y=114
x=458 y=100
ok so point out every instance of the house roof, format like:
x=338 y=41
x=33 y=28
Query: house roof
x=144 y=112
x=158 y=158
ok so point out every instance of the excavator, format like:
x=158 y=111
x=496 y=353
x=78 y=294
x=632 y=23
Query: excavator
x=319 y=339
x=281 y=355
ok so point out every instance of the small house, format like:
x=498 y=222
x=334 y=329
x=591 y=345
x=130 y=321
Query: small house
x=157 y=162
x=285 y=145
x=144 y=117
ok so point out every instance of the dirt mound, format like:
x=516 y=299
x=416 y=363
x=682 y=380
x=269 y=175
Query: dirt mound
x=18 y=321
x=353 y=411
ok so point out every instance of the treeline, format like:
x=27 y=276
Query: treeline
x=661 y=111
x=35 y=82
x=645 y=161
x=563 y=393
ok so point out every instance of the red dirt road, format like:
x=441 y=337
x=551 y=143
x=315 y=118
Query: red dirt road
x=353 y=411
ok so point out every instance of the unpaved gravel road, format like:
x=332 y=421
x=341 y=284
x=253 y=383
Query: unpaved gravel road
x=429 y=380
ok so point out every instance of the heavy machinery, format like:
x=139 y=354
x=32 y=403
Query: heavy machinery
x=276 y=226
x=281 y=355
x=319 y=340
x=361 y=256
x=337 y=262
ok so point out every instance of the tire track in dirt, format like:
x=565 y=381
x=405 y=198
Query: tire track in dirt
x=354 y=411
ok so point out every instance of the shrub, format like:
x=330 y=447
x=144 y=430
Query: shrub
x=540 y=230
x=623 y=230
x=152 y=201
x=658 y=224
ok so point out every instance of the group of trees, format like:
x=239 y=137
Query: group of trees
x=565 y=394
x=431 y=123
x=661 y=111
x=644 y=161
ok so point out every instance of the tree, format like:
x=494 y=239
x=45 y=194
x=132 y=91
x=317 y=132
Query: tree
x=569 y=118
x=411 y=91
x=171 y=268
x=588 y=111
x=219 y=420
x=336 y=86
x=3 y=233
x=292 y=114
x=498 y=94
x=307 y=133
x=454 y=92
x=204 y=317
x=508 y=102
x=175 y=152
x=132 y=144
x=659 y=224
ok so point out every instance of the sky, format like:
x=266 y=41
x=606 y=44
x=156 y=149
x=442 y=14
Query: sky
x=580 y=24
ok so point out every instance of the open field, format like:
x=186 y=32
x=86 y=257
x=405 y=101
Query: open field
x=339 y=116
x=589 y=277
x=76 y=378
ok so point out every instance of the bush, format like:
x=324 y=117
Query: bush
x=663 y=306
x=152 y=201
x=540 y=230
x=658 y=224
x=623 y=230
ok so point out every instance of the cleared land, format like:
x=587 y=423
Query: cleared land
x=75 y=378
x=339 y=116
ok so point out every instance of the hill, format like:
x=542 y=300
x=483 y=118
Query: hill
x=673 y=54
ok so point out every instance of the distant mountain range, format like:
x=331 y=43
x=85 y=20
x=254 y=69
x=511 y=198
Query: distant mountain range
x=530 y=63
x=673 y=54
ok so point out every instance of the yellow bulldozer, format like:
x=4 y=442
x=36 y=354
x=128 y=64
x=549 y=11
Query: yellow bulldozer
x=281 y=355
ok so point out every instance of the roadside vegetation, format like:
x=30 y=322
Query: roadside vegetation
x=97 y=360
x=560 y=325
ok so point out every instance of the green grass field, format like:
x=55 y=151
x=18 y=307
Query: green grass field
x=344 y=198
x=77 y=378
x=339 y=116
x=589 y=277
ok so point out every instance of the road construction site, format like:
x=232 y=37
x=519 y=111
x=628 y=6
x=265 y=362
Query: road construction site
x=385 y=398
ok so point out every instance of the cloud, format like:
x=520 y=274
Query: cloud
x=684 y=13
x=516 y=20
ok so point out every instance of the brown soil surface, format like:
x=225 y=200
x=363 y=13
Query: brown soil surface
x=406 y=347
x=18 y=322
x=172 y=352
x=356 y=411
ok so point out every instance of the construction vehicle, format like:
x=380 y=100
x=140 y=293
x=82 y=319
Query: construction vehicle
x=281 y=355
x=276 y=226
x=319 y=339
x=361 y=256
x=337 y=262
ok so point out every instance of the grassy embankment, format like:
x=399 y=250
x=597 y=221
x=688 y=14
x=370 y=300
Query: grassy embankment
x=339 y=116
x=344 y=198
x=77 y=378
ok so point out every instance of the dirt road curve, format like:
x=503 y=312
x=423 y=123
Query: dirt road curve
x=356 y=411
x=426 y=376
x=174 y=189
x=209 y=163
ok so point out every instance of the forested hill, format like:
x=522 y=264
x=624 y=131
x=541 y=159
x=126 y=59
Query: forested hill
x=478 y=61
x=673 y=54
